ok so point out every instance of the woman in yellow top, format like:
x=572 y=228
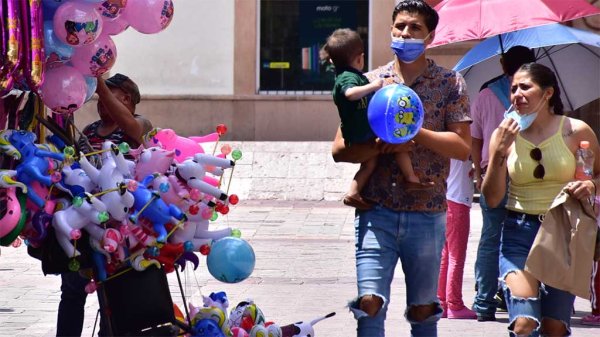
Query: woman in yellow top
x=535 y=146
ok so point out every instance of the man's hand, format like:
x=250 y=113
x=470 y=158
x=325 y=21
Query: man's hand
x=387 y=148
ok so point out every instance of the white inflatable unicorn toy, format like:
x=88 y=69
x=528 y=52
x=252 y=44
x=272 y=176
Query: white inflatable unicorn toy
x=85 y=212
x=110 y=177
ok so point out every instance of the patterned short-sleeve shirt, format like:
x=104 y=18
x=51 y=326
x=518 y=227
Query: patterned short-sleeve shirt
x=445 y=101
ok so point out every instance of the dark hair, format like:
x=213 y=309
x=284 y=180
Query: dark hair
x=126 y=84
x=420 y=7
x=343 y=45
x=545 y=78
x=516 y=57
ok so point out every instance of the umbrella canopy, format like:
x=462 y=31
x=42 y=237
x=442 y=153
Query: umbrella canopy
x=462 y=20
x=573 y=54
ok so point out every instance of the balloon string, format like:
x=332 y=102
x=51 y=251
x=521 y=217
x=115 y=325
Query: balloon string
x=74 y=249
x=216 y=144
x=145 y=206
x=177 y=226
x=115 y=275
x=101 y=193
x=95 y=152
x=230 y=178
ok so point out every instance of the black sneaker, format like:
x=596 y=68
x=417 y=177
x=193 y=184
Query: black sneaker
x=486 y=317
x=501 y=301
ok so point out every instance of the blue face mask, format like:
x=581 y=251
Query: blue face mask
x=407 y=50
x=524 y=121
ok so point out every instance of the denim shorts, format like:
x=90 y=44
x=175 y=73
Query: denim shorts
x=383 y=237
x=518 y=233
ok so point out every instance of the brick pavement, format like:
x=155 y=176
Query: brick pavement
x=304 y=268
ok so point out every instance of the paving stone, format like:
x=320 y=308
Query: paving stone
x=304 y=269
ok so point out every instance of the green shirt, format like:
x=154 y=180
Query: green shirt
x=355 y=125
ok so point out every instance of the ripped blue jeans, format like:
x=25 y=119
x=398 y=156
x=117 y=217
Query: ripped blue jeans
x=415 y=238
x=518 y=233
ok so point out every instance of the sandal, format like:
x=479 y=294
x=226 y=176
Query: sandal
x=591 y=319
x=415 y=187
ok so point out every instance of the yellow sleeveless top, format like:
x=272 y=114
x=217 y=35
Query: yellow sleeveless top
x=527 y=194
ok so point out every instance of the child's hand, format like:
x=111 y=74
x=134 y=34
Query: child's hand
x=377 y=83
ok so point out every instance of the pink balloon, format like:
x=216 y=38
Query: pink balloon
x=111 y=9
x=114 y=27
x=63 y=90
x=149 y=16
x=77 y=24
x=97 y=58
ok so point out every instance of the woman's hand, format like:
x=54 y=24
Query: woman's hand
x=580 y=189
x=505 y=136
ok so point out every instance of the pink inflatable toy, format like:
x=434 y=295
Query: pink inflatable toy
x=77 y=24
x=115 y=27
x=151 y=160
x=184 y=147
x=96 y=58
x=149 y=16
x=13 y=214
x=63 y=90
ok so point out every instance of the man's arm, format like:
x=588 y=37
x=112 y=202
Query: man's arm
x=357 y=154
x=476 y=148
x=362 y=152
x=454 y=143
x=119 y=113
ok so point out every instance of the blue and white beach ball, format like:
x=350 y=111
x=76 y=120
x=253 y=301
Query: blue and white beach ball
x=395 y=113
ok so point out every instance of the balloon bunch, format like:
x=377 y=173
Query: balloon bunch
x=149 y=211
x=245 y=320
x=58 y=47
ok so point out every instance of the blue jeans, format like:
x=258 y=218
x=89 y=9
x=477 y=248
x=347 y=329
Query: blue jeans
x=486 y=264
x=518 y=232
x=382 y=237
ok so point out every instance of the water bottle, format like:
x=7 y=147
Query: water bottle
x=585 y=162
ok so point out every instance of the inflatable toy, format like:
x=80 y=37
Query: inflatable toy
x=231 y=260
x=395 y=113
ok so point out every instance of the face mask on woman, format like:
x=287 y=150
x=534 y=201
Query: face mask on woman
x=408 y=50
x=524 y=121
